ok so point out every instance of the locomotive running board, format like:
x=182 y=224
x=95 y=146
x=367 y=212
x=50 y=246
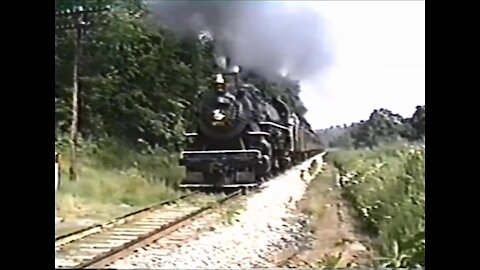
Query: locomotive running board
x=194 y=134
x=190 y=134
x=214 y=186
x=275 y=125
x=259 y=154
x=261 y=133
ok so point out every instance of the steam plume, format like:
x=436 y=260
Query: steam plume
x=268 y=36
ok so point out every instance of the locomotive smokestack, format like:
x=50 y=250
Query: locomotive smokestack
x=228 y=63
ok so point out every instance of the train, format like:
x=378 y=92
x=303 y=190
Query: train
x=243 y=136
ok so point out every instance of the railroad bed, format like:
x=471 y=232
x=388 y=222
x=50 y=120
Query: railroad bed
x=99 y=245
x=165 y=227
x=265 y=225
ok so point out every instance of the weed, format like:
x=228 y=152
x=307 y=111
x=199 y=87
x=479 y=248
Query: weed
x=387 y=189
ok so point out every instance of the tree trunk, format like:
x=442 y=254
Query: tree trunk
x=74 y=127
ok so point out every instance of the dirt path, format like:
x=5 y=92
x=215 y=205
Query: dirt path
x=338 y=240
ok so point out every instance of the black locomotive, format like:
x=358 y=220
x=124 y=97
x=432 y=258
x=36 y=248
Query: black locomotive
x=242 y=137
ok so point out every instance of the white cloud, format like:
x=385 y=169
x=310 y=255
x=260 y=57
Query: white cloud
x=378 y=51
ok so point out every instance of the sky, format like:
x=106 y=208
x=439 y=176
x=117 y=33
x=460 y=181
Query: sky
x=377 y=51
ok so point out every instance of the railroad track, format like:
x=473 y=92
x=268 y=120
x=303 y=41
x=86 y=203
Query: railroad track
x=164 y=227
x=99 y=246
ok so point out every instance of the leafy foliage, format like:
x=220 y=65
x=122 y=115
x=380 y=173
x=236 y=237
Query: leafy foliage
x=138 y=80
x=417 y=122
x=382 y=127
x=387 y=188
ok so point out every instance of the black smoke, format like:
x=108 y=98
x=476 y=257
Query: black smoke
x=263 y=35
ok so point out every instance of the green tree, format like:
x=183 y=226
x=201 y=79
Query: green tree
x=138 y=79
x=418 y=122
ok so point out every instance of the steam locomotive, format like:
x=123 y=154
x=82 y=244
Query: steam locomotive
x=243 y=137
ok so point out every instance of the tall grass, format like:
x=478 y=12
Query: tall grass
x=111 y=173
x=387 y=188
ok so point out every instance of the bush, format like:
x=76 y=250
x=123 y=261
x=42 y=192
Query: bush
x=112 y=173
x=387 y=188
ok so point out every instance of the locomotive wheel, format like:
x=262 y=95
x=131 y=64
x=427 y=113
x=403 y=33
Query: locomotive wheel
x=261 y=179
x=284 y=165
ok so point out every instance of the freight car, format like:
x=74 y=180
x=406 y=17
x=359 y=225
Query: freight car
x=242 y=137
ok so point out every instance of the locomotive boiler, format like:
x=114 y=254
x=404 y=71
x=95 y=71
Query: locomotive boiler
x=243 y=136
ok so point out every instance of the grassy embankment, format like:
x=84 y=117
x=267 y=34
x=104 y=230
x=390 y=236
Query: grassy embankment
x=386 y=188
x=113 y=180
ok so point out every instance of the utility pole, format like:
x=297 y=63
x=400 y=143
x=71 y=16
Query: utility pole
x=80 y=22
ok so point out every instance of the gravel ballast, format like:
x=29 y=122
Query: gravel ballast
x=265 y=226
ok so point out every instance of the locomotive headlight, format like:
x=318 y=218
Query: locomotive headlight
x=218 y=115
